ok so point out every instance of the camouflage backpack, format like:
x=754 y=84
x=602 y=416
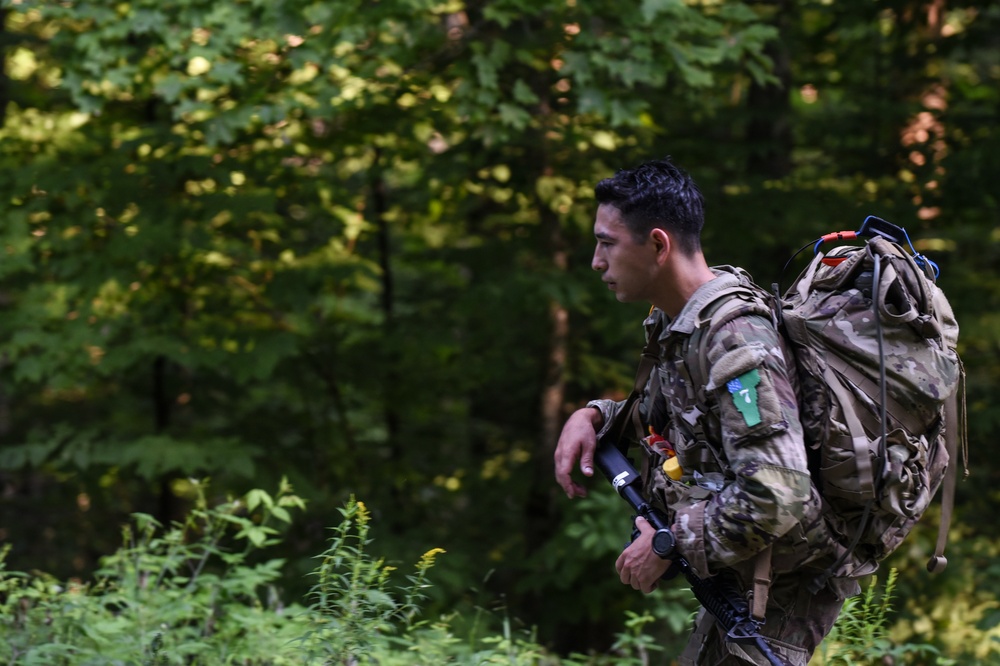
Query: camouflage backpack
x=881 y=386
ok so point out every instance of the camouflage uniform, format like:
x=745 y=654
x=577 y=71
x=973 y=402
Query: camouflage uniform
x=746 y=482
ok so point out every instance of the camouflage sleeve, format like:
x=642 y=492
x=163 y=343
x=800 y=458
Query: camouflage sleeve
x=769 y=489
x=608 y=410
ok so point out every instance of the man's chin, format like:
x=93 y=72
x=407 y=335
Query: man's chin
x=620 y=296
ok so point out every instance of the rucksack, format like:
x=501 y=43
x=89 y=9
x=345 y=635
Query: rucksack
x=881 y=386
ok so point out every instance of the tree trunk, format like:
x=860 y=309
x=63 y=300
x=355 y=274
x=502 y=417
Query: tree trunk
x=169 y=508
x=554 y=392
x=379 y=208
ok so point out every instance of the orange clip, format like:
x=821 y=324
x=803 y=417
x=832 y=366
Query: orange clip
x=840 y=235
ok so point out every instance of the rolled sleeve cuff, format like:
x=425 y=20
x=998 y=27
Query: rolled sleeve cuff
x=608 y=409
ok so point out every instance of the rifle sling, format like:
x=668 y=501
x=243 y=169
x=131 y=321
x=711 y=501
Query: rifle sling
x=630 y=410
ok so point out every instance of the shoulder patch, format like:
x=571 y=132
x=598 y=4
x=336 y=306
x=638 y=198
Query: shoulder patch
x=743 y=390
x=736 y=363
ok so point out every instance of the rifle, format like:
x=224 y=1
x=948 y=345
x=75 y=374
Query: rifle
x=723 y=601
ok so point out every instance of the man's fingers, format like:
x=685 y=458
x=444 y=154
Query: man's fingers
x=565 y=480
x=587 y=449
x=570 y=487
x=576 y=444
x=642 y=525
x=564 y=459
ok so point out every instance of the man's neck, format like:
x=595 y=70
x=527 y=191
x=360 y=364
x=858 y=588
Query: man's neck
x=684 y=276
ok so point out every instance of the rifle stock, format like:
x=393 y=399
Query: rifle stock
x=724 y=602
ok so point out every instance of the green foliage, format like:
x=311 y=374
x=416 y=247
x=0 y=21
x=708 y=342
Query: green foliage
x=349 y=604
x=957 y=610
x=198 y=592
x=595 y=530
x=635 y=641
x=348 y=243
x=193 y=594
x=239 y=233
x=861 y=633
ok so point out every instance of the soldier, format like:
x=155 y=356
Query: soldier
x=736 y=485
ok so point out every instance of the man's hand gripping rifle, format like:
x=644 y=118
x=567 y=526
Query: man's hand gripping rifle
x=725 y=602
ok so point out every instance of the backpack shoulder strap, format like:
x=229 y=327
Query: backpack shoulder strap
x=736 y=301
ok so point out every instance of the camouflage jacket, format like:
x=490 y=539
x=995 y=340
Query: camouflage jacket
x=737 y=437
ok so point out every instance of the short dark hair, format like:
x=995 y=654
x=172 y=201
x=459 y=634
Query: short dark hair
x=653 y=195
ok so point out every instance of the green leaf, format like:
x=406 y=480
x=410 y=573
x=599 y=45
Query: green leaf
x=523 y=93
x=652 y=8
x=513 y=116
x=256 y=497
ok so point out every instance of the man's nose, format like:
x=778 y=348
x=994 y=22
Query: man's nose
x=598 y=263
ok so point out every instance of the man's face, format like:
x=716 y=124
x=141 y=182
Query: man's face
x=627 y=267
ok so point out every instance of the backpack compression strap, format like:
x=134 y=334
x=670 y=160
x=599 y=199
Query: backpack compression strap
x=955 y=436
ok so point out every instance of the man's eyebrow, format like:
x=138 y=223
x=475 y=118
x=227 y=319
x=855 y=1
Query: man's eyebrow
x=603 y=235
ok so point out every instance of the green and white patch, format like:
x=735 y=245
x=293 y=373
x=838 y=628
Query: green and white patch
x=743 y=390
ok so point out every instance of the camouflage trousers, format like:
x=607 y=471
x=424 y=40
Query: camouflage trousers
x=796 y=623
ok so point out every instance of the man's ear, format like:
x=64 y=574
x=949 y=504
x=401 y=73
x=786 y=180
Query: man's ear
x=662 y=242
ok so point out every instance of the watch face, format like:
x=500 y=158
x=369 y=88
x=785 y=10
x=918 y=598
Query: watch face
x=663 y=542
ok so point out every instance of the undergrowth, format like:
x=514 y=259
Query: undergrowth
x=202 y=593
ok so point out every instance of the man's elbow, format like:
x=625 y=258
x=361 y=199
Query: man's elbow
x=783 y=498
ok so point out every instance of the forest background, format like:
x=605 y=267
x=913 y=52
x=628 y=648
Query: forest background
x=348 y=243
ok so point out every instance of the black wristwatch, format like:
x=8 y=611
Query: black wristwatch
x=664 y=543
